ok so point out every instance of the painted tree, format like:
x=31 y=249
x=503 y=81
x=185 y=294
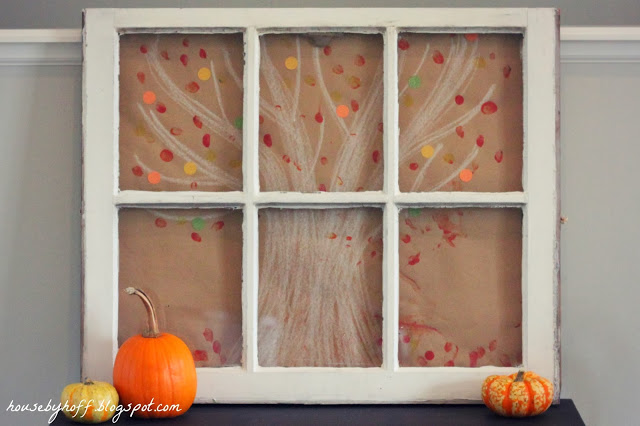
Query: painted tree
x=321 y=129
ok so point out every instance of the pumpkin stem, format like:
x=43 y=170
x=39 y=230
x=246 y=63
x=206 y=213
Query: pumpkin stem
x=153 y=330
x=519 y=377
x=87 y=381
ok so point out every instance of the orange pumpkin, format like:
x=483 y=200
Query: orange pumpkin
x=155 y=370
x=517 y=395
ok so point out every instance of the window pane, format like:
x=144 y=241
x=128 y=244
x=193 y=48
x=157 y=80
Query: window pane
x=190 y=263
x=460 y=112
x=181 y=112
x=320 y=290
x=460 y=287
x=321 y=98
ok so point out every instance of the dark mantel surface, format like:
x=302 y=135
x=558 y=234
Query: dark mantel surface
x=564 y=414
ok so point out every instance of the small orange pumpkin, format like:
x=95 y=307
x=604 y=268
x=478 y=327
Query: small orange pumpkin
x=155 y=368
x=517 y=395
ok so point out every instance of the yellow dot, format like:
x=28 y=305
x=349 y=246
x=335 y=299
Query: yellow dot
x=342 y=111
x=190 y=168
x=291 y=63
x=149 y=97
x=336 y=96
x=235 y=164
x=480 y=62
x=211 y=156
x=407 y=100
x=204 y=74
x=466 y=175
x=427 y=151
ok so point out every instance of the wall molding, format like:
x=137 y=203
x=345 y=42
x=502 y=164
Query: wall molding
x=63 y=46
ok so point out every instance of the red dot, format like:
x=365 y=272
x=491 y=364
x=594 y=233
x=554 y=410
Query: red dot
x=161 y=108
x=165 y=54
x=267 y=140
x=322 y=187
x=143 y=49
x=137 y=170
x=176 y=131
x=403 y=44
x=499 y=156
x=197 y=122
x=196 y=237
x=184 y=59
x=327 y=50
x=140 y=76
x=354 y=105
x=349 y=238
x=406 y=239
x=192 y=87
x=319 y=117
x=166 y=155
x=459 y=100
x=359 y=60
x=449 y=363
x=338 y=69
x=448 y=346
x=161 y=223
x=506 y=71
x=438 y=58
x=480 y=351
x=493 y=345
x=429 y=355
x=199 y=355
x=471 y=37
x=194 y=185
x=488 y=107
x=324 y=161
x=217 y=347
x=185 y=42
x=203 y=53
x=406 y=338
x=480 y=141
x=413 y=166
x=206 y=140
x=376 y=156
x=260 y=119
x=286 y=158
x=473 y=359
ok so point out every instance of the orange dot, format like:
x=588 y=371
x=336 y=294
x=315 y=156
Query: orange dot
x=466 y=175
x=342 y=111
x=149 y=97
x=153 y=178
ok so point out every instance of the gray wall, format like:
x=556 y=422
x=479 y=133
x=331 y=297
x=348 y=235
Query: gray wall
x=66 y=13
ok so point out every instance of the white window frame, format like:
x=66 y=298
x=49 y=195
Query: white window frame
x=390 y=383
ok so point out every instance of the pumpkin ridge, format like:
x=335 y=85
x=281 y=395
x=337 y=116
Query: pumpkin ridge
x=507 y=402
x=486 y=395
x=547 y=392
x=530 y=398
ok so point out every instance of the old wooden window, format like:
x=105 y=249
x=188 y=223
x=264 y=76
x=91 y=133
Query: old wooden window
x=354 y=205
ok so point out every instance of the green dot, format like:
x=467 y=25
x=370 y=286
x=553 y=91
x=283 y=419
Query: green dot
x=238 y=123
x=414 y=82
x=415 y=212
x=197 y=223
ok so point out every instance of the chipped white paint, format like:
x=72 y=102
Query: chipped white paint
x=252 y=383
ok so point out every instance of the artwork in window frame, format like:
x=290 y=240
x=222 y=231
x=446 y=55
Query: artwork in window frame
x=390 y=382
x=181 y=112
x=460 y=98
x=321 y=112
x=460 y=287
